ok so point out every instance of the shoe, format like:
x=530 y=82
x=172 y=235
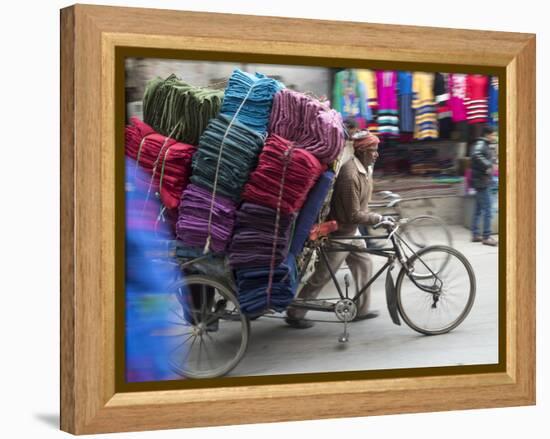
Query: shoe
x=299 y=323
x=369 y=315
x=476 y=238
x=489 y=241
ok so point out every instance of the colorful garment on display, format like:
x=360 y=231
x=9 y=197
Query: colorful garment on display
x=260 y=235
x=202 y=216
x=368 y=79
x=257 y=293
x=493 y=100
x=457 y=102
x=310 y=124
x=349 y=94
x=442 y=97
x=250 y=97
x=424 y=106
x=388 y=120
x=283 y=177
x=476 y=99
x=179 y=110
x=310 y=211
x=228 y=151
x=405 y=94
x=167 y=162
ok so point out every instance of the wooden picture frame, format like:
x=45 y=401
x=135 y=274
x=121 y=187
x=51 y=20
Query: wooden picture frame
x=90 y=38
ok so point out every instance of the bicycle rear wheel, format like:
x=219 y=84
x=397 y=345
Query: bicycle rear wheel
x=208 y=331
x=449 y=276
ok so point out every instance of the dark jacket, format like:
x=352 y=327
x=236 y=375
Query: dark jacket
x=482 y=160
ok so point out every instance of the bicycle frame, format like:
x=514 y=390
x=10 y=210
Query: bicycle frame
x=391 y=253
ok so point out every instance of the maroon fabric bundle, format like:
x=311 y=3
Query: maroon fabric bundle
x=308 y=122
x=167 y=159
x=281 y=163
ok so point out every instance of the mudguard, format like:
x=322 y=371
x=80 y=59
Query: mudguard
x=391 y=298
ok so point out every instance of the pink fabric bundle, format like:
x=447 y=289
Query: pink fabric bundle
x=282 y=163
x=308 y=122
x=165 y=159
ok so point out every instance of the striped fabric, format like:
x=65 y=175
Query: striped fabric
x=405 y=95
x=476 y=99
x=388 y=116
x=424 y=104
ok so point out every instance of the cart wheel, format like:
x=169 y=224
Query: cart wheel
x=209 y=334
x=449 y=274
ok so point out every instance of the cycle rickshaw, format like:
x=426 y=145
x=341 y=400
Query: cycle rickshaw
x=433 y=293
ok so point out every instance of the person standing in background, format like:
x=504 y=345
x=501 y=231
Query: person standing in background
x=482 y=173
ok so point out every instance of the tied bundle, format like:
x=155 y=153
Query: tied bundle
x=254 y=243
x=309 y=123
x=228 y=151
x=201 y=220
x=300 y=168
x=167 y=161
x=249 y=98
x=173 y=105
x=310 y=212
x=251 y=284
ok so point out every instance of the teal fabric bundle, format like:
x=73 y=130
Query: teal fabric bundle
x=241 y=148
x=179 y=110
x=249 y=98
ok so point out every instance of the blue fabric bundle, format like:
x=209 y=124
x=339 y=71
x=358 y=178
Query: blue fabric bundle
x=241 y=148
x=309 y=212
x=257 y=91
x=252 y=283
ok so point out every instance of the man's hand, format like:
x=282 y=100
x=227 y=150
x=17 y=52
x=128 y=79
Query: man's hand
x=385 y=221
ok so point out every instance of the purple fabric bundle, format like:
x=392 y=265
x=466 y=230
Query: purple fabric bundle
x=194 y=211
x=252 y=244
x=309 y=123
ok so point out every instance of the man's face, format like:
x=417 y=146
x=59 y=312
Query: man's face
x=493 y=137
x=371 y=154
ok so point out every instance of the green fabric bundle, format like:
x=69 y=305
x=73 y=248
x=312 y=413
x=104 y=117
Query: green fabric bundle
x=179 y=110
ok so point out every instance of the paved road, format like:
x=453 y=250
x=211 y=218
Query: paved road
x=375 y=344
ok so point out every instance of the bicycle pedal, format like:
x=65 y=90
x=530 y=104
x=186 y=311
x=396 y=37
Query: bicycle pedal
x=344 y=338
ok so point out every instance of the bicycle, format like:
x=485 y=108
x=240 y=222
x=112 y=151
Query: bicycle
x=423 y=295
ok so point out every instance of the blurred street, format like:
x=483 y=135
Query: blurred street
x=276 y=348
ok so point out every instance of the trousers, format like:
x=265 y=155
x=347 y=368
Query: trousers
x=482 y=208
x=360 y=265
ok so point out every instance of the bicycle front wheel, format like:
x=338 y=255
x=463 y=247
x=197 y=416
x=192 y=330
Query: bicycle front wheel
x=426 y=230
x=209 y=332
x=438 y=291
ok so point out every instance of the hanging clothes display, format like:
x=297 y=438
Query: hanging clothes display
x=179 y=110
x=405 y=93
x=424 y=106
x=476 y=98
x=442 y=97
x=388 y=120
x=457 y=102
x=368 y=79
x=349 y=94
x=310 y=124
x=493 y=101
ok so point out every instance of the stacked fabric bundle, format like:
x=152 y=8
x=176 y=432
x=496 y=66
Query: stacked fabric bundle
x=165 y=159
x=177 y=109
x=241 y=147
x=310 y=211
x=257 y=241
x=252 y=282
x=280 y=163
x=250 y=97
x=308 y=122
x=202 y=216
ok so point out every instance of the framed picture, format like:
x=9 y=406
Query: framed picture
x=229 y=184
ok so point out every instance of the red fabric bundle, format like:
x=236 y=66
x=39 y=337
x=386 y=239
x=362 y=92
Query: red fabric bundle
x=282 y=163
x=165 y=159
